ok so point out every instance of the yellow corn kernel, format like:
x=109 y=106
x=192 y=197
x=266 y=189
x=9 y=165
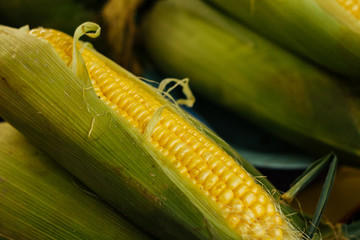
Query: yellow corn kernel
x=277 y=234
x=243 y=202
x=233 y=220
x=210 y=181
x=218 y=188
x=262 y=198
x=270 y=209
x=258 y=210
x=237 y=205
x=249 y=199
x=241 y=190
x=258 y=230
x=234 y=181
x=225 y=196
x=203 y=175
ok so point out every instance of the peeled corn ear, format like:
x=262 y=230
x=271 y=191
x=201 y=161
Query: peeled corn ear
x=324 y=31
x=178 y=181
x=40 y=200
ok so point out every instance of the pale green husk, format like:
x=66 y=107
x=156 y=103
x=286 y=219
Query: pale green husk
x=41 y=200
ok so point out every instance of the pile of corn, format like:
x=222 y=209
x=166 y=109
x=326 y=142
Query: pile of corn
x=135 y=149
x=147 y=168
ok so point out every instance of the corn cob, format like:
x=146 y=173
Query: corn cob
x=325 y=32
x=176 y=180
x=40 y=200
x=251 y=76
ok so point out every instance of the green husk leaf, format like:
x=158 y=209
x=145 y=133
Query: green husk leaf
x=307 y=177
x=39 y=200
x=78 y=65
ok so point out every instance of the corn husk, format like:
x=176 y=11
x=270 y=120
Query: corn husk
x=41 y=200
x=322 y=31
x=234 y=66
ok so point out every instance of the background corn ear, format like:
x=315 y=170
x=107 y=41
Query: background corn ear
x=234 y=66
x=326 y=32
x=41 y=200
x=100 y=144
